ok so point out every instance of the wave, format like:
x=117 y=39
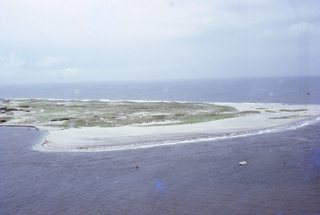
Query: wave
x=104 y=100
x=282 y=128
x=289 y=127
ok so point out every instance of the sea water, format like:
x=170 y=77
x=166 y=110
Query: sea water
x=293 y=90
x=282 y=177
x=168 y=179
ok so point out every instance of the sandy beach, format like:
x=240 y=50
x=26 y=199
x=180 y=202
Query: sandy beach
x=90 y=125
x=135 y=136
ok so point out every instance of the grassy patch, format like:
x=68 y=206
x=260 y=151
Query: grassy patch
x=205 y=118
x=67 y=114
x=270 y=111
x=293 y=110
x=61 y=119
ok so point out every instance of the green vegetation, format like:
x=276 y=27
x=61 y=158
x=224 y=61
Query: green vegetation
x=65 y=114
x=293 y=110
x=203 y=118
x=8 y=109
x=270 y=111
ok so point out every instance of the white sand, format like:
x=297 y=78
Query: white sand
x=133 y=137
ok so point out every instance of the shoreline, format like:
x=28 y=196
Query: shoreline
x=131 y=137
x=152 y=101
x=199 y=138
x=280 y=176
x=51 y=146
x=251 y=119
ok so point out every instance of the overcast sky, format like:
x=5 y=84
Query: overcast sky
x=107 y=40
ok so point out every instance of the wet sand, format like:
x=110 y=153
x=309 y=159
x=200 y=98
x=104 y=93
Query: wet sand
x=282 y=177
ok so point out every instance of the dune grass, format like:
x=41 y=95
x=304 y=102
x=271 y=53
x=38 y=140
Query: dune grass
x=66 y=114
x=293 y=110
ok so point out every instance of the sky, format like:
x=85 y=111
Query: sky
x=43 y=41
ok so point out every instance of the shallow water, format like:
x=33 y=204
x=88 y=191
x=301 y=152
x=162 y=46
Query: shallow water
x=282 y=177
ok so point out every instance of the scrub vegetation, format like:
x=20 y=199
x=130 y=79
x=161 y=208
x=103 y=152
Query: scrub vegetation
x=66 y=114
x=293 y=110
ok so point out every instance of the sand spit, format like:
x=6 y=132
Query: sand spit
x=136 y=137
x=149 y=124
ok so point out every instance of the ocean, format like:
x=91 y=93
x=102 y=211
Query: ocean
x=282 y=175
x=293 y=90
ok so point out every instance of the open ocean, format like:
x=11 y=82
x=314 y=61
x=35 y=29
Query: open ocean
x=297 y=90
x=282 y=177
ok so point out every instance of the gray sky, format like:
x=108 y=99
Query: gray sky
x=107 y=40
